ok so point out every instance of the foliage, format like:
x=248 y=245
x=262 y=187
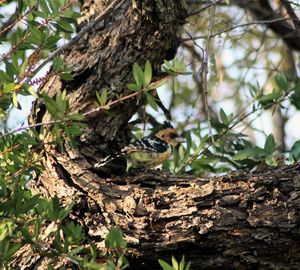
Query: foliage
x=25 y=218
x=175 y=265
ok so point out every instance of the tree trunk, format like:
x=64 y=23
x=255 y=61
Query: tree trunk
x=240 y=221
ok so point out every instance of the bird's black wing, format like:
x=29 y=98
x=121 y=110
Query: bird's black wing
x=147 y=144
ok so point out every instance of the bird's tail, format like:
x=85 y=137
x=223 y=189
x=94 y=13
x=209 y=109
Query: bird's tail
x=111 y=165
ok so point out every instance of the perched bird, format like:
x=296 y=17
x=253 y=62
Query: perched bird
x=148 y=152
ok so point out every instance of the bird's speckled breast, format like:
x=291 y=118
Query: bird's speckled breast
x=147 y=159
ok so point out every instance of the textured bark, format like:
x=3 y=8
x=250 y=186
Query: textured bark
x=240 y=221
x=244 y=220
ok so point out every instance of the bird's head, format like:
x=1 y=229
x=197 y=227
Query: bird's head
x=168 y=134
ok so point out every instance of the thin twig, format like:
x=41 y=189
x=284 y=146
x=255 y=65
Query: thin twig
x=111 y=104
x=237 y=26
x=10 y=24
x=235 y=121
x=10 y=149
x=204 y=8
x=20 y=41
x=93 y=112
x=31 y=126
x=205 y=69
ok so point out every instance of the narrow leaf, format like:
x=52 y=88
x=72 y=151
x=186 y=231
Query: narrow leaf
x=31 y=91
x=103 y=97
x=295 y=151
x=15 y=101
x=151 y=101
x=148 y=73
x=165 y=265
x=270 y=144
x=223 y=117
x=134 y=87
x=281 y=81
x=174 y=263
x=138 y=75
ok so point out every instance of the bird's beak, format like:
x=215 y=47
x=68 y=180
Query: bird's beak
x=180 y=140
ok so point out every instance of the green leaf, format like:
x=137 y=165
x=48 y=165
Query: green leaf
x=65 y=212
x=138 y=75
x=169 y=71
x=295 y=100
x=134 y=87
x=29 y=204
x=51 y=42
x=182 y=263
x=254 y=153
x=13 y=248
x=151 y=102
x=102 y=98
x=76 y=117
x=148 y=73
x=10 y=70
x=55 y=204
x=9 y=87
x=165 y=265
x=296 y=88
x=50 y=105
x=281 y=81
x=188 y=266
x=188 y=140
x=58 y=64
x=31 y=91
x=68 y=13
x=295 y=151
x=114 y=239
x=205 y=161
x=168 y=64
x=270 y=98
x=270 y=144
x=61 y=102
x=26 y=234
x=67 y=76
x=36 y=36
x=23 y=68
x=175 y=85
x=77 y=250
x=54 y=5
x=37 y=228
x=65 y=26
x=15 y=101
x=223 y=117
x=6 y=228
x=175 y=263
x=44 y=8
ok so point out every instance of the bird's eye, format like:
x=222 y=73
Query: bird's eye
x=173 y=135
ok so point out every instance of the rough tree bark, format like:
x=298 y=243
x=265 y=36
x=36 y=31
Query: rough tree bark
x=241 y=221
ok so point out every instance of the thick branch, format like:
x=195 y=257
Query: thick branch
x=238 y=221
x=262 y=10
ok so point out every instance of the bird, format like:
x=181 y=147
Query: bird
x=149 y=151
